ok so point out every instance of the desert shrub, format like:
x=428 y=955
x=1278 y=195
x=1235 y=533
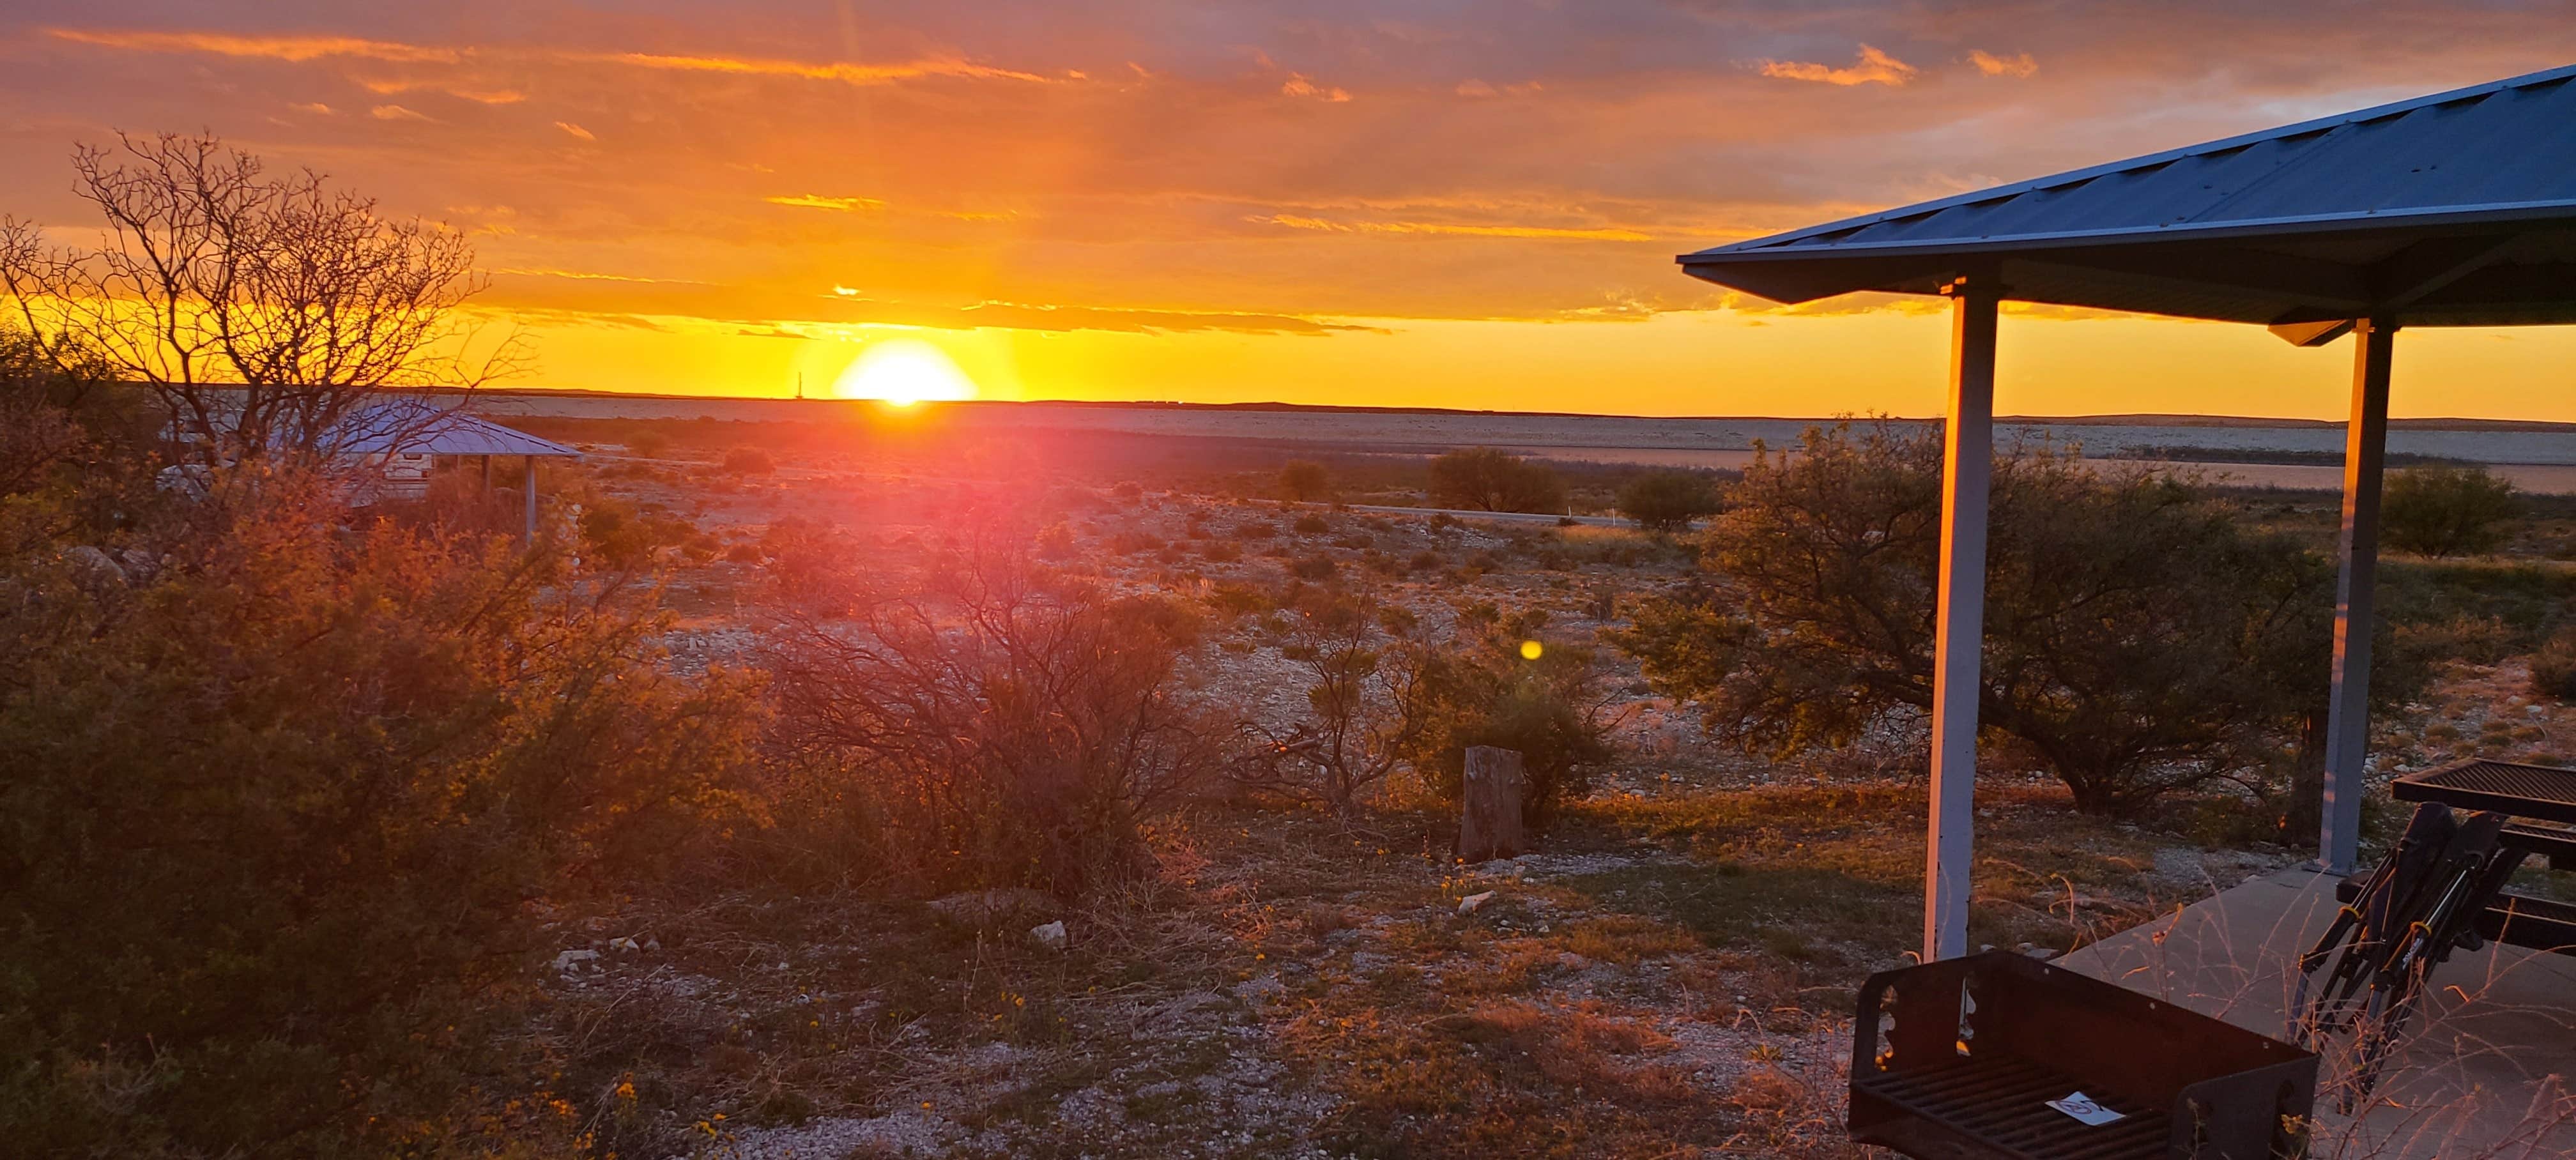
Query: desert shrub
x=2477 y=640
x=1487 y=479
x=1055 y=542
x=2139 y=637
x=1664 y=502
x=748 y=461
x=1316 y=568
x=1254 y=530
x=2441 y=510
x=1305 y=481
x=648 y=443
x=1221 y=552
x=1128 y=489
x=742 y=554
x=288 y=801
x=1486 y=692
x=989 y=723
x=616 y=535
x=1129 y=542
x=2553 y=668
x=1365 y=709
x=1239 y=600
x=1311 y=524
x=810 y=563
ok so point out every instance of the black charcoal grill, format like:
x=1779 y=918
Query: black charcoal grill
x=1960 y=1059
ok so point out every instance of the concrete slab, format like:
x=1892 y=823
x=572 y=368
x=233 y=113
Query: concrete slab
x=2478 y=1075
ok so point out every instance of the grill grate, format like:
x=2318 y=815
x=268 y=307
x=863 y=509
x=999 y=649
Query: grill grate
x=2524 y=791
x=2004 y=1103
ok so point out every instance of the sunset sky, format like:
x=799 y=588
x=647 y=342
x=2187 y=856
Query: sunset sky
x=1437 y=204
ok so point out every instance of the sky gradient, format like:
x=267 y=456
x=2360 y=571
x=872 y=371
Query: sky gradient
x=1433 y=204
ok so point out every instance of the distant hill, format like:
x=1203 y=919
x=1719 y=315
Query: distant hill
x=2122 y=420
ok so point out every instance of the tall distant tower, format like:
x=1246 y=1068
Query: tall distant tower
x=800 y=384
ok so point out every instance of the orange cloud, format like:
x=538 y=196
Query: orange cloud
x=587 y=276
x=479 y=96
x=395 y=113
x=2002 y=66
x=1874 y=67
x=1325 y=225
x=294 y=48
x=576 y=130
x=1301 y=85
x=816 y=201
x=842 y=71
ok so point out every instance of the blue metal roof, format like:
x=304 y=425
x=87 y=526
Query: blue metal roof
x=2452 y=209
x=428 y=428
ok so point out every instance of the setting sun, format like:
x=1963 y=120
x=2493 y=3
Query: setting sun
x=902 y=372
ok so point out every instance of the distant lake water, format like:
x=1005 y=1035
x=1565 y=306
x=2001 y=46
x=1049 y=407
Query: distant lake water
x=2536 y=460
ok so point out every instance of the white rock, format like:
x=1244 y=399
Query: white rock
x=1469 y=904
x=1051 y=936
x=569 y=960
x=94 y=567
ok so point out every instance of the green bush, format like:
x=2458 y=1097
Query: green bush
x=1488 y=693
x=1667 y=501
x=2140 y=637
x=1305 y=481
x=2553 y=668
x=287 y=803
x=2447 y=511
x=1487 y=479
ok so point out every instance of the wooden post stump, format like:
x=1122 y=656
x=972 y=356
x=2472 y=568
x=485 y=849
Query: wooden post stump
x=1489 y=818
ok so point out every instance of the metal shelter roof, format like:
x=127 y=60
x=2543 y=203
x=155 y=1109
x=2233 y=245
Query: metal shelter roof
x=409 y=428
x=2456 y=209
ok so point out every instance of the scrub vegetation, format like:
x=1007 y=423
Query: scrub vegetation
x=832 y=790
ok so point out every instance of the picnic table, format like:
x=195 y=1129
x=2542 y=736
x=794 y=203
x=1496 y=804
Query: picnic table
x=2540 y=800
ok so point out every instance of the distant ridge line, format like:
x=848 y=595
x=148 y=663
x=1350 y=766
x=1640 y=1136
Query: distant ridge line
x=2113 y=420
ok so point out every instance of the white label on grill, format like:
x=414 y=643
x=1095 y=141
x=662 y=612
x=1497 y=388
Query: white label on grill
x=2085 y=1111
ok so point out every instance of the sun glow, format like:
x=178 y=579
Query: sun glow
x=904 y=371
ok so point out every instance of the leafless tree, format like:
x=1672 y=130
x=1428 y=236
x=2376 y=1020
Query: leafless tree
x=271 y=313
x=1367 y=703
x=1009 y=726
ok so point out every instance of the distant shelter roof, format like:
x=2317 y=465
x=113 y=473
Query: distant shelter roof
x=410 y=428
x=2456 y=209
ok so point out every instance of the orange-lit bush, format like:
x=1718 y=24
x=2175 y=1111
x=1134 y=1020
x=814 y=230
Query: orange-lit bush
x=286 y=800
x=986 y=723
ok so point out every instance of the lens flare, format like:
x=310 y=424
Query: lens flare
x=1531 y=649
x=901 y=372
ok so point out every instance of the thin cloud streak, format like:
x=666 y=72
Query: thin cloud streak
x=2002 y=66
x=1324 y=225
x=841 y=71
x=1874 y=68
x=287 y=48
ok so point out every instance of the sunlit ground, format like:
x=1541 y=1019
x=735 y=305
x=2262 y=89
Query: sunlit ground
x=902 y=372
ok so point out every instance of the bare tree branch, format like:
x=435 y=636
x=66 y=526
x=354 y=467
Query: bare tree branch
x=266 y=311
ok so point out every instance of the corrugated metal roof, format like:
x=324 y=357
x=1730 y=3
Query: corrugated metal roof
x=425 y=429
x=2457 y=208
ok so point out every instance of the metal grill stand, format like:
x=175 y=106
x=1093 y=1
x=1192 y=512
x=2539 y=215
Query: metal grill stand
x=1961 y=1058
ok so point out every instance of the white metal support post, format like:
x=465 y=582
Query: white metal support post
x=2365 y=453
x=1967 y=464
x=530 y=535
